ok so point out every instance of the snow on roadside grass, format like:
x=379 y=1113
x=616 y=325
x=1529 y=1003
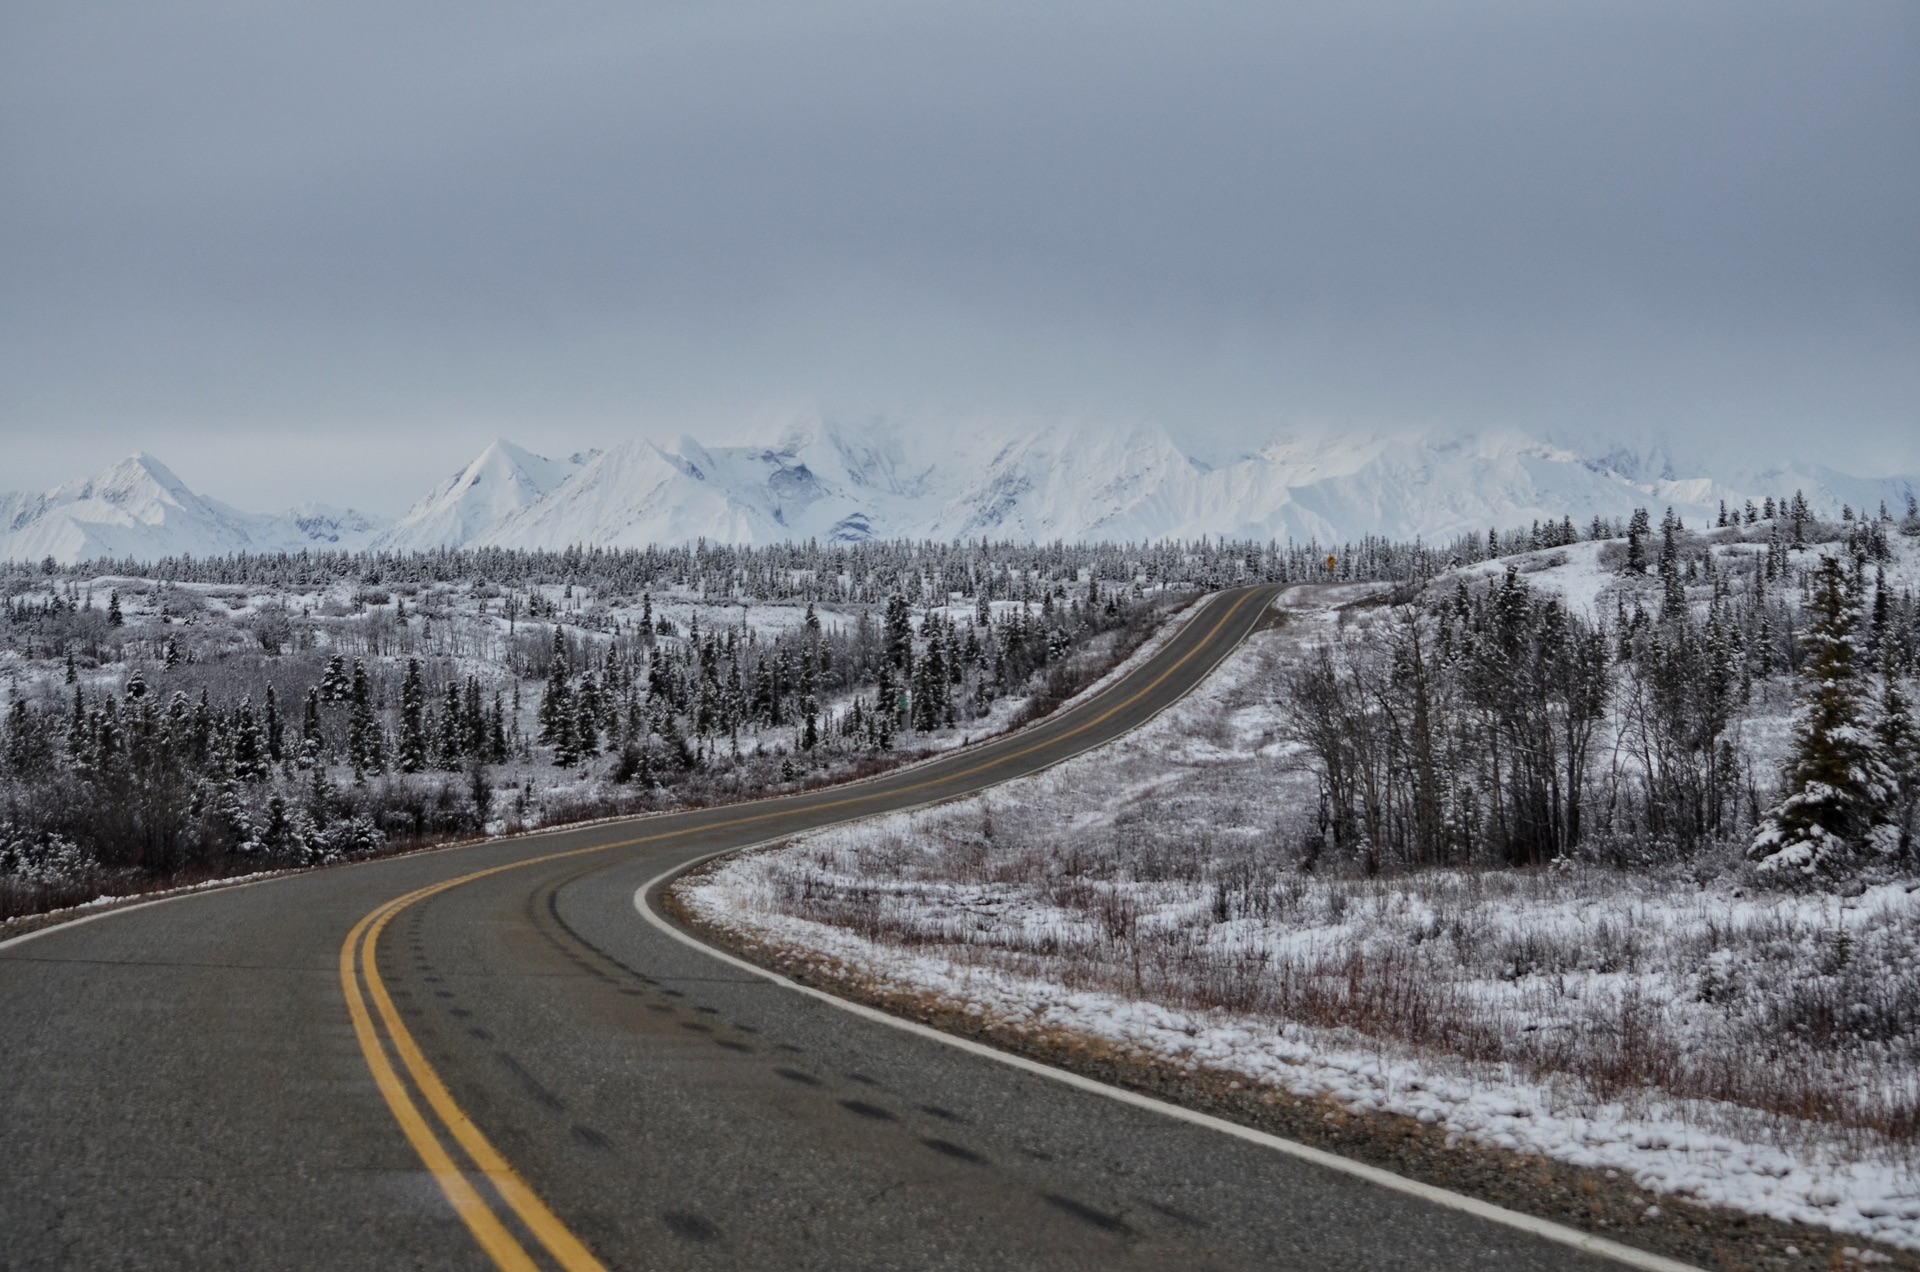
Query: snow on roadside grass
x=1662 y=1025
x=1664 y=1145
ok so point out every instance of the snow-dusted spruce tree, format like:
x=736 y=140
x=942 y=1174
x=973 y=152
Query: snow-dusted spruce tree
x=1638 y=528
x=1899 y=737
x=1837 y=796
x=1673 y=585
x=413 y=738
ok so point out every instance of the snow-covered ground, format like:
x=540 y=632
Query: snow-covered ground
x=1587 y=574
x=1737 y=1047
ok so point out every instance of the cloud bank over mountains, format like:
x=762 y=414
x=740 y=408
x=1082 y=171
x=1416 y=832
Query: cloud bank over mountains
x=849 y=482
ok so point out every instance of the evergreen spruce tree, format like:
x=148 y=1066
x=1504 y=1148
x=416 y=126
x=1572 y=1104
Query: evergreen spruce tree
x=556 y=708
x=249 y=747
x=310 y=741
x=1836 y=793
x=899 y=624
x=496 y=733
x=334 y=685
x=319 y=801
x=411 y=754
x=77 y=723
x=886 y=709
x=276 y=835
x=365 y=747
x=199 y=732
x=1639 y=526
x=1673 y=585
x=473 y=722
x=930 y=687
x=275 y=728
x=230 y=813
x=1898 y=736
x=1799 y=516
x=1882 y=611
x=447 y=749
x=586 y=729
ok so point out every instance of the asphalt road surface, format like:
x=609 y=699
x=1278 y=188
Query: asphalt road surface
x=483 y=1057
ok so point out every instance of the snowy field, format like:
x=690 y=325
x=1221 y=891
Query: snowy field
x=1715 y=1041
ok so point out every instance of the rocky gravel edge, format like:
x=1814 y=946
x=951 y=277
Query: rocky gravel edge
x=1605 y=1203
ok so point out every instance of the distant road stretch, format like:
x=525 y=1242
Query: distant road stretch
x=483 y=1058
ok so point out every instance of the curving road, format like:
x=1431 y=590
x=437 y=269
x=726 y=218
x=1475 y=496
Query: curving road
x=483 y=1057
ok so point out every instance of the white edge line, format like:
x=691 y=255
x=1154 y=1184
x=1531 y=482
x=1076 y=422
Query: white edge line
x=63 y=925
x=221 y=887
x=1543 y=1228
x=1530 y=1224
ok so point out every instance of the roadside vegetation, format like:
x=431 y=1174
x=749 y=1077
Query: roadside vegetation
x=173 y=722
x=1602 y=850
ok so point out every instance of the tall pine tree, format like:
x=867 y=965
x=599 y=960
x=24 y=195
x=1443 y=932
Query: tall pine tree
x=413 y=705
x=1837 y=793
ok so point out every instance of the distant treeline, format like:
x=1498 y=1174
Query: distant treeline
x=841 y=573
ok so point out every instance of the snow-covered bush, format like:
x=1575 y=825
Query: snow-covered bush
x=42 y=859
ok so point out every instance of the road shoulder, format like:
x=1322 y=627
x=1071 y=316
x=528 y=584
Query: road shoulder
x=1603 y=1203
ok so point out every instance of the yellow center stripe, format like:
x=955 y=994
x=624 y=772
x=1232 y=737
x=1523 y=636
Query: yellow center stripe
x=359 y=959
x=468 y=1204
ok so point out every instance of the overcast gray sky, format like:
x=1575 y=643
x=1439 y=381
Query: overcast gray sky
x=329 y=250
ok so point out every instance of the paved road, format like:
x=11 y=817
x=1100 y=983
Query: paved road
x=193 y=1084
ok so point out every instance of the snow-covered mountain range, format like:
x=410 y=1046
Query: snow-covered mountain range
x=849 y=482
x=138 y=508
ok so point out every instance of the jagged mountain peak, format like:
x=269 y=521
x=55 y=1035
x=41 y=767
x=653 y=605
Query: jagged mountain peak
x=499 y=482
x=136 y=478
x=138 y=507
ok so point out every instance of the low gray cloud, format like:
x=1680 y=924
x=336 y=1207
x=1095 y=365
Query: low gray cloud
x=266 y=241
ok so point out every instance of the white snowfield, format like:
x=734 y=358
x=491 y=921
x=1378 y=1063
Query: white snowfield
x=1099 y=899
x=842 y=482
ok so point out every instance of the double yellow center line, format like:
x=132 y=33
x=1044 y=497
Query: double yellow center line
x=357 y=959
x=384 y=1037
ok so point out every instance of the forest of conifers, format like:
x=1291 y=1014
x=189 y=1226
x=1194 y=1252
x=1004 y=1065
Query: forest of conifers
x=192 y=719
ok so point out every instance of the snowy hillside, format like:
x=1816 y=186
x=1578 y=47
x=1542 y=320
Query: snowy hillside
x=841 y=482
x=138 y=508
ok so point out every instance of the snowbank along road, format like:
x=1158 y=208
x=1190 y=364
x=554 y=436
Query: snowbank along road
x=482 y=1057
